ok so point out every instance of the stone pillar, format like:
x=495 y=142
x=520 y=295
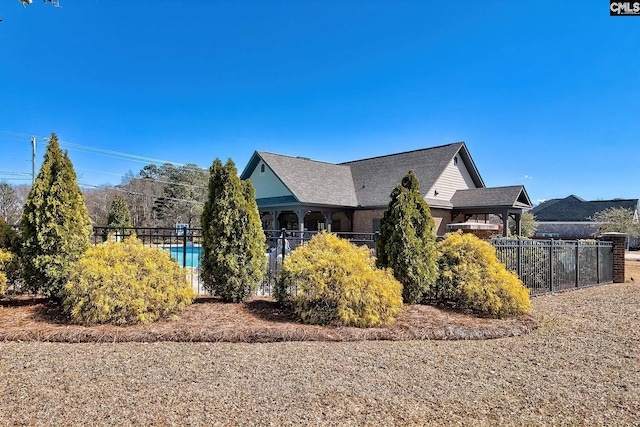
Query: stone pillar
x=619 y=245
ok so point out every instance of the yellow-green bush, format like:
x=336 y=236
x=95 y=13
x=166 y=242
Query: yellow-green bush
x=125 y=282
x=329 y=280
x=4 y=258
x=471 y=277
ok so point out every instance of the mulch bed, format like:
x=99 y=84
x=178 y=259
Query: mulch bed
x=258 y=320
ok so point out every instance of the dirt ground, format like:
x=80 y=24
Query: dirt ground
x=259 y=320
x=579 y=367
x=632 y=270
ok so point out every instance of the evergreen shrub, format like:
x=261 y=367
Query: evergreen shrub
x=9 y=238
x=123 y=283
x=5 y=257
x=330 y=280
x=234 y=254
x=10 y=243
x=55 y=224
x=472 y=278
x=119 y=217
x=407 y=241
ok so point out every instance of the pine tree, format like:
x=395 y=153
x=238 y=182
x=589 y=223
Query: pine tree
x=407 y=241
x=55 y=224
x=234 y=257
x=119 y=217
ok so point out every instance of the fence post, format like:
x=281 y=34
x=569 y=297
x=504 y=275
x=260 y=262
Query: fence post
x=184 y=247
x=519 y=259
x=376 y=235
x=283 y=234
x=598 y=262
x=619 y=242
x=577 y=263
x=551 y=265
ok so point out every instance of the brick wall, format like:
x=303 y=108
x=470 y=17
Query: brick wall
x=363 y=220
x=441 y=218
x=619 y=244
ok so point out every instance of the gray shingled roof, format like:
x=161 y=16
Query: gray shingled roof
x=512 y=196
x=313 y=182
x=375 y=178
x=573 y=208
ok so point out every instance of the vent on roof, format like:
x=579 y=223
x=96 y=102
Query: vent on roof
x=303 y=158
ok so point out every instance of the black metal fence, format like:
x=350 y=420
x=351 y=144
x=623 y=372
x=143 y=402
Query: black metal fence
x=542 y=265
x=554 y=265
x=185 y=246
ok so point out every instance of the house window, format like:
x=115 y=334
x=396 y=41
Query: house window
x=262 y=168
x=376 y=224
x=455 y=160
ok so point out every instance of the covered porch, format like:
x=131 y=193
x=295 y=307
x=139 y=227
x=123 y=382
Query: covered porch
x=503 y=202
x=306 y=218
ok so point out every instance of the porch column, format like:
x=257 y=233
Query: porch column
x=327 y=220
x=505 y=224
x=517 y=218
x=274 y=220
x=301 y=214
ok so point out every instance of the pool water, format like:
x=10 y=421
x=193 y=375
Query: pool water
x=193 y=254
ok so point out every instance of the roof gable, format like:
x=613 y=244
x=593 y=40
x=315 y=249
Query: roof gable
x=508 y=197
x=375 y=178
x=310 y=181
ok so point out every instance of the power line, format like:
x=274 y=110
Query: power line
x=100 y=151
x=122 y=190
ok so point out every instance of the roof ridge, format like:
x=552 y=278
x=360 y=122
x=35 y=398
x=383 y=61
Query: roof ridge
x=403 y=152
x=299 y=158
x=610 y=200
x=493 y=188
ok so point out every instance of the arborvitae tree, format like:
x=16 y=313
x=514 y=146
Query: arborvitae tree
x=119 y=215
x=55 y=224
x=233 y=257
x=407 y=241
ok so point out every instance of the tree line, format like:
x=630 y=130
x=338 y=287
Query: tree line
x=157 y=196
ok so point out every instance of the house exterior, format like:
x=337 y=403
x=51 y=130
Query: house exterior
x=302 y=194
x=572 y=217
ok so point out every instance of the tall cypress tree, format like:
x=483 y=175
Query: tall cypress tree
x=119 y=215
x=407 y=242
x=233 y=257
x=55 y=224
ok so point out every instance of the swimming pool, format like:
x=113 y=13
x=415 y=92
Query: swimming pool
x=193 y=254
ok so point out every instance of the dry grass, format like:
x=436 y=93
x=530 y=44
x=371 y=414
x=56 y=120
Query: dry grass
x=580 y=367
x=632 y=270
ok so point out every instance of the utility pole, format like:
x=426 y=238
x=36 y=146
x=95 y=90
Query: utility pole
x=33 y=160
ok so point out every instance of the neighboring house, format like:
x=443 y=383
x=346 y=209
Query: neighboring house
x=572 y=217
x=298 y=193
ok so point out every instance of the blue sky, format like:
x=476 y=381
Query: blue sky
x=544 y=93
